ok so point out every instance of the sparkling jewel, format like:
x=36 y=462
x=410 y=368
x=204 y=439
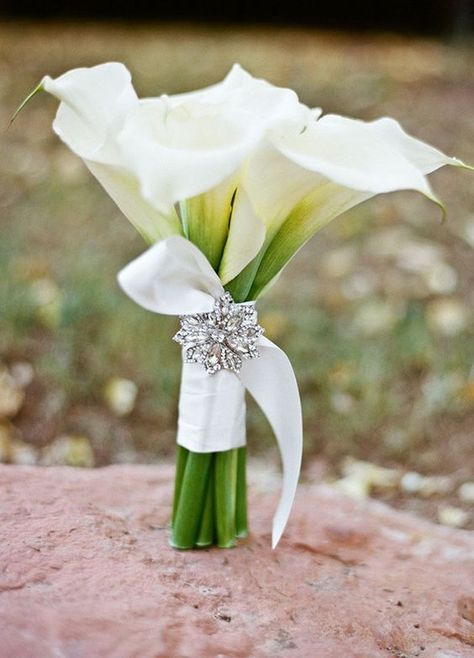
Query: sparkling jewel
x=222 y=338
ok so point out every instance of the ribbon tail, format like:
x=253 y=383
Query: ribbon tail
x=272 y=383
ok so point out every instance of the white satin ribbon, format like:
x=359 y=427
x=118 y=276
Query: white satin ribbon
x=174 y=278
x=211 y=410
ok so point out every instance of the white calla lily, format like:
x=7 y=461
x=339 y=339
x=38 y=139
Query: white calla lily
x=94 y=104
x=182 y=151
x=299 y=181
x=192 y=148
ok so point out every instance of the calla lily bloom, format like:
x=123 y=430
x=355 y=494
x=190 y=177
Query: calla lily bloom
x=241 y=168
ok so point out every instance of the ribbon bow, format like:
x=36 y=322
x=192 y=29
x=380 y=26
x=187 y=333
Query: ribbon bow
x=174 y=277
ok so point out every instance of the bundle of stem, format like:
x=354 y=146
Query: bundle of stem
x=210 y=498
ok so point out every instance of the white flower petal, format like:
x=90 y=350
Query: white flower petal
x=178 y=153
x=243 y=94
x=260 y=100
x=424 y=156
x=374 y=157
x=275 y=185
x=246 y=237
x=124 y=190
x=94 y=103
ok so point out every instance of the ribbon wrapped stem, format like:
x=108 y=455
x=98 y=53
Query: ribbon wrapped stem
x=225 y=355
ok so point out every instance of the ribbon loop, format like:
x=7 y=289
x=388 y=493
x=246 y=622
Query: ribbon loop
x=173 y=277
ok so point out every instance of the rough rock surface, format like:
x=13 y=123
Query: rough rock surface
x=86 y=572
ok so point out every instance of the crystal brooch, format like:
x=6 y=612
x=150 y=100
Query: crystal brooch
x=222 y=338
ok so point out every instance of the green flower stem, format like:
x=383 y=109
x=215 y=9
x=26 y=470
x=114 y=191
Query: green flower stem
x=207 y=529
x=240 y=287
x=241 y=524
x=226 y=496
x=181 y=458
x=191 y=501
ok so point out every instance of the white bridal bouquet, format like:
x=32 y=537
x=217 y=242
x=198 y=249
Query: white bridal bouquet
x=226 y=184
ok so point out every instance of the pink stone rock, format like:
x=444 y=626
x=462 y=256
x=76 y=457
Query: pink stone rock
x=86 y=572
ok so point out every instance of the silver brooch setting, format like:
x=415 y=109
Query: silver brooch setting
x=222 y=338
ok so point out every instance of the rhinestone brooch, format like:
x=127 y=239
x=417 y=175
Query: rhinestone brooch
x=222 y=338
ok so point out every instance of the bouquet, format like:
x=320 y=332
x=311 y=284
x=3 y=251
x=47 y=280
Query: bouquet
x=226 y=184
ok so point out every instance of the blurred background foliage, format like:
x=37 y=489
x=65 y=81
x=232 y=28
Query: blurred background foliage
x=376 y=313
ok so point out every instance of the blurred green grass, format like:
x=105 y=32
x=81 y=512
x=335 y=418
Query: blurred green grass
x=375 y=313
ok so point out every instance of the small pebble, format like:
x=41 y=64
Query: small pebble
x=23 y=453
x=427 y=486
x=441 y=278
x=353 y=486
x=22 y=373
x=376 y=317
x=69 y=451
x=447 y=316
x=466 y=492
x=120 y=395
x=436 y=485
x=411 y=482
x=375 y=475
x=452 y=516
x=342 y=403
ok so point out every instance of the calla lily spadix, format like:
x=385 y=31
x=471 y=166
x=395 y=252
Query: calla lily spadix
x=226 y=184
x=241 y=168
